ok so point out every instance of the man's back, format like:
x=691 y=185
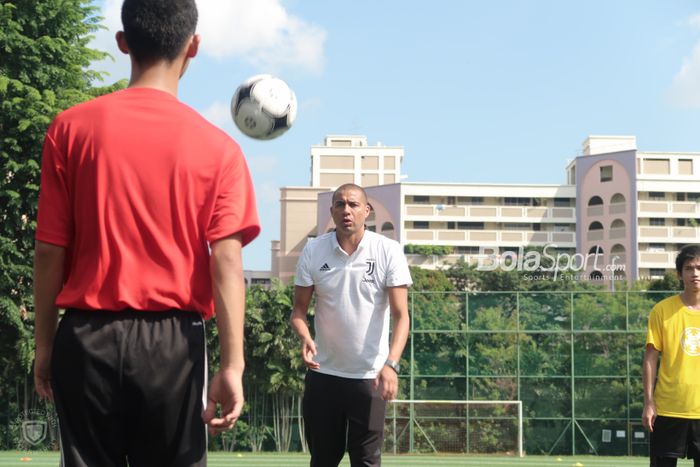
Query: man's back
x=149 y=183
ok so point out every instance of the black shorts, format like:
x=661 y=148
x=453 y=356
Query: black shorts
x=128 y=387
x=675 y=437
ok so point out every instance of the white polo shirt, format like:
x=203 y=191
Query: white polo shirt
x=352 y=304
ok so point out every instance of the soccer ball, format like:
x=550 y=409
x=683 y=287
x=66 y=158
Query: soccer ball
x=263 y=107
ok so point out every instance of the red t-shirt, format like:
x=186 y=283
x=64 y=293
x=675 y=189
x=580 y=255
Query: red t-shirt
x=136 y=185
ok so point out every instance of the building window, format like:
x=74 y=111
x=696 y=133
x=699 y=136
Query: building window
x=421 y=199
x=424 y=225
x=657 y=166
x=685 y=166
x=596 y=250
x=693 y=196
x=595 y=226
x=451 y=225
x=451 y=200
x=387 y=226
x=467 y=250
x=470 y=225
x=618 y=248
x=595 y=201
x=596 y=275
x=517 y=201
x=657 y=221
x=337 y=162
x=617 y=224
x=370 y=163
x=681 y=222
x=657 y=272
x=657 y=247
x=657 y=195
x=562 y=202
x=606 y=173
x=516 y=226
x=680 y=196
x=617 y=198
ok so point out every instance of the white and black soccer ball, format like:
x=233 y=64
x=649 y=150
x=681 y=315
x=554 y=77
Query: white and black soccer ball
x=263 y=107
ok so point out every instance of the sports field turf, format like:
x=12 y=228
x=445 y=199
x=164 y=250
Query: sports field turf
x=14 y=458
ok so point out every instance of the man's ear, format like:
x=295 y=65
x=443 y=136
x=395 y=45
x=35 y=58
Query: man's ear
x=193 y=46
x=121 y=42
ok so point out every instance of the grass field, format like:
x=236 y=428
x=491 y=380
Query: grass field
x=14 y=458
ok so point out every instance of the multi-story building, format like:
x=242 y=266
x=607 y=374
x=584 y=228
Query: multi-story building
x=341 y=159
x=641 y=207
x=635 y=209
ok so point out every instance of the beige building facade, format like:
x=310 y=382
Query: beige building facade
x=628 y=211
x=637 y=207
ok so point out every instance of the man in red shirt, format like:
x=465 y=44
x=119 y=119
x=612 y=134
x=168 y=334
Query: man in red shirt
x=143 y=211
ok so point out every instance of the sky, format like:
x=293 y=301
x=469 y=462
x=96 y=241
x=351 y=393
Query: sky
x=474 y=91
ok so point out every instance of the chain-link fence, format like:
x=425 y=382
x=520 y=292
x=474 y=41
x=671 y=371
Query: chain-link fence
x=572 y=358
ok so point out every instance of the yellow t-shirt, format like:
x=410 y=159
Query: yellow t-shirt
x=674 y=330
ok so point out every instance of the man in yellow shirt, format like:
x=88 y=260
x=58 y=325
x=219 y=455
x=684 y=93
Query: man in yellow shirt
x=672 y=409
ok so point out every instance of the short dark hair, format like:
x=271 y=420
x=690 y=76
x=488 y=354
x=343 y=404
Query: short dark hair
x=688 y=252
x=348 y=187
x=158 y=29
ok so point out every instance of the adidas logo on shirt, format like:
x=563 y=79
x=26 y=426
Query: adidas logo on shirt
x=325 y=267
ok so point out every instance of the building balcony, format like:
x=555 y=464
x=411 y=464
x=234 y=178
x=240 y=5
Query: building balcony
x=654 y=259
x=592 y=211
x=653 y=234
x=617 y=232
x=617 y=208
x=594 y=235
x=668 y=209
x=490 y=237
x=490 y=213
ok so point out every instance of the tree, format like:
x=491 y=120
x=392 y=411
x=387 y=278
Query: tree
x=274 y=369
x=44 y=61
x=670 y=282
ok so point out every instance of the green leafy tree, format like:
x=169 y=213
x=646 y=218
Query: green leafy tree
x=439 y=346
x=44 y=60
x=274 y=369
x=669 y=282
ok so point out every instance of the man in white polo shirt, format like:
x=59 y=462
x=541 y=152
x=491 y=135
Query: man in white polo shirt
x=359 y=278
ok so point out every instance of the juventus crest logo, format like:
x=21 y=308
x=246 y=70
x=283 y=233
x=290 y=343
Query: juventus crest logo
x=370 y=267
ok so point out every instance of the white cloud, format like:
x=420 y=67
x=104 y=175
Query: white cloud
x=695 y=20
x=261 y=32
x=685 y=88
x=218 y=113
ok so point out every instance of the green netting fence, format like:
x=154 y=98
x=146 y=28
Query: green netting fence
x=572 y=358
